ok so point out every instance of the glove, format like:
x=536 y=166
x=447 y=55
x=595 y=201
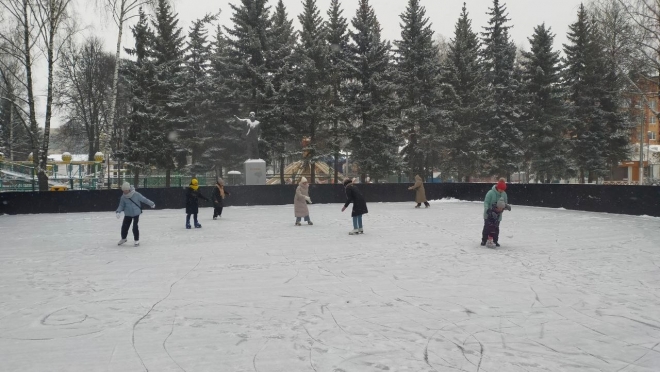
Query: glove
x=308 y=199
x=508 y=207
x=153 y=206
x=118 y=215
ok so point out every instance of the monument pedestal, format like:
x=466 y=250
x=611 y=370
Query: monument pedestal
x=255 y=172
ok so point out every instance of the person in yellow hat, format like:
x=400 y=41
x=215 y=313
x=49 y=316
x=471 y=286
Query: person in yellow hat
x=192 y=202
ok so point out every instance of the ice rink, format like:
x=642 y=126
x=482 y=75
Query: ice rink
x=567 y=291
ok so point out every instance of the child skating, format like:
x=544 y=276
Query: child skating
x=130 y=204
x=192 y=203
x=354 y=196
x=219 y=194
x=300 y=201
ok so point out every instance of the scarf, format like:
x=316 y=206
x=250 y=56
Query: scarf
x=130 y=194
x=222 y=190
x=194 y=187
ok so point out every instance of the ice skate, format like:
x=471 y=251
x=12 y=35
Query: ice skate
x=137 y=243
x=361 y=231
x=417 y=206
x=215 y=218
x=483 y=243
x=188 y=226
x=298 y=224
x=490 y=243
x=198 y=226
x=310 y=222
x=354 y=232
x=497 y=244
x=427 y=206
x=122 y=241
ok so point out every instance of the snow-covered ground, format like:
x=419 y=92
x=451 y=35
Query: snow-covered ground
x=567 y=291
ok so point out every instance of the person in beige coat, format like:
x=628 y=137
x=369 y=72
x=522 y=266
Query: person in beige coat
x=300 y=202
x=420 y=193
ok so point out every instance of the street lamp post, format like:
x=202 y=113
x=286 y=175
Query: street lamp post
x=641 y=147
x=648 y=154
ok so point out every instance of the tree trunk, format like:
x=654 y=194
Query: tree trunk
x=34 y=129
x=282 y=182
x=168 y=177
x=115 y=74
x=43 y=177
x=136 y=177
x=336 y=165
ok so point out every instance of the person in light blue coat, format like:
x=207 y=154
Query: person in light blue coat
x=130 y=204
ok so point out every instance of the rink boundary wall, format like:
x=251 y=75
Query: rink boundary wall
x=632 y=200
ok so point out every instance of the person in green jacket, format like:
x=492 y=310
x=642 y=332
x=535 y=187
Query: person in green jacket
x=497 y=193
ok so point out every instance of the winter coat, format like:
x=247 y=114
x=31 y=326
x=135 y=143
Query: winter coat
x=130 y=203
x=300 y=201
x=192 y=200
x=420 y=193
x=492 y=197
x=217 y=197
x=354 y=196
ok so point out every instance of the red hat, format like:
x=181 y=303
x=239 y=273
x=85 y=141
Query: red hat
x=501 y=185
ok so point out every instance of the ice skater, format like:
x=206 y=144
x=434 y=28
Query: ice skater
x=354 y=196
x=192 y=203
x=130 y=204
x=219 y=194
x=495 y=198
x=300 y=202
x=420 y=193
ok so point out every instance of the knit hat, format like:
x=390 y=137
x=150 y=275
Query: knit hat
x=220 y=181
x=194 y=182
x=347 y=181
x=303 y=180
x=501 y=204
x=501 y=185
x=125 y=186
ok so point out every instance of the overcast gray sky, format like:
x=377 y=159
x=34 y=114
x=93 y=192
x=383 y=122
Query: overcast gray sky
x=524 y=14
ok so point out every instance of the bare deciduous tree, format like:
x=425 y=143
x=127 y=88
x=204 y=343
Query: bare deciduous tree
x=84 y=85
x=121 y=11
x=42 y=26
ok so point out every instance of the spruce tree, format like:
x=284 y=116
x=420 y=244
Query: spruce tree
x=417 y=80
x=144 y=132
x=463 y=81
x=544 y=108
x=226 y=148
x=336 y=70
x=583 y=79
x=279 y=111
x=248 y=49
x=168 y=55
x=195 y=132
x=373 y=143
x=503 y=138
x=311 y=88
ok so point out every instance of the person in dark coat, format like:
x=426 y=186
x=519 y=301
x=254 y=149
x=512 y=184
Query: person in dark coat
x=354 y=196
x=219 y=194
x=192 y=202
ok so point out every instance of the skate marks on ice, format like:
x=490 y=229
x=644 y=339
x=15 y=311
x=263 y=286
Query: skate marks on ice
x=413 y=294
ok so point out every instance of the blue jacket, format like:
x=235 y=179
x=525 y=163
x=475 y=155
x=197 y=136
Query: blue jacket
x=492 y=197
x=130 y=203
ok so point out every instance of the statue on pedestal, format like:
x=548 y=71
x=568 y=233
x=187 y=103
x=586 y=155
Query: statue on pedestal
x=252 y=136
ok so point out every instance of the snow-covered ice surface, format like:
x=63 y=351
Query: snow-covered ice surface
x=567 y=291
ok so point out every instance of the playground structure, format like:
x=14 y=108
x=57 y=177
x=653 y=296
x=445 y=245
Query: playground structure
x=303 y=168
x=65 y=172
